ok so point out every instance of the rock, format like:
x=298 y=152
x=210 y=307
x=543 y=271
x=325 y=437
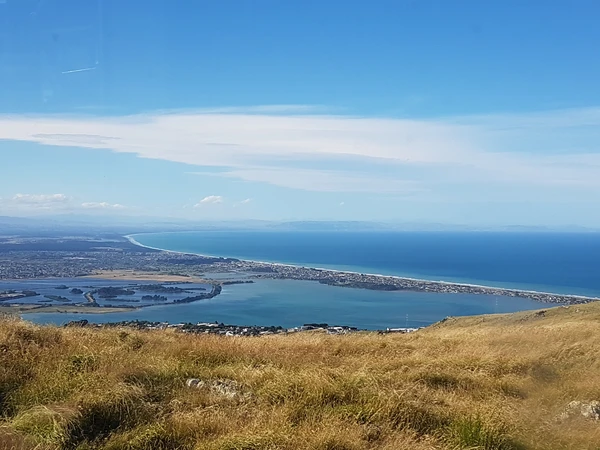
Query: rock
x=588 y=410
x=226 y=388
x=193 y=382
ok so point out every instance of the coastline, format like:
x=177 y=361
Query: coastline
x=582 y=298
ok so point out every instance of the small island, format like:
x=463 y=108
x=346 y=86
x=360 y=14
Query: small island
x=155 y=298
x=113 y=292
x=57 y=298
x=159 y=288
x=11 y=295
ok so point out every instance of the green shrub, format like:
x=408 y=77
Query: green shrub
x=474 y=434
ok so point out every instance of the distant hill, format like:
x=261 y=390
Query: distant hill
x=90 y=224
x=508 y=382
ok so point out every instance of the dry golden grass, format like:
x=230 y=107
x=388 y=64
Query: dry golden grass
x=487 y=382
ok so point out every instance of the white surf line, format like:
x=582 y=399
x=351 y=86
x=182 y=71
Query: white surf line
x=131 y=239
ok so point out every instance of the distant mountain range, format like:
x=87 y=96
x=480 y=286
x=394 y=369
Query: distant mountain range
x=85 y=225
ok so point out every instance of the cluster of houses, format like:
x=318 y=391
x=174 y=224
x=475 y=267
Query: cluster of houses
x=231 y=330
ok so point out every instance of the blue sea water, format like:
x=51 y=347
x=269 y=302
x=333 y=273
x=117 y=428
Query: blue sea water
x=562 y=263
x=549 y=262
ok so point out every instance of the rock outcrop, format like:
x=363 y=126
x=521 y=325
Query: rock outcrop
x=589 y=410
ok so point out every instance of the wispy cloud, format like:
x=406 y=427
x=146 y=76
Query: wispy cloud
x=46 y=203
x=102 y=205
x=36 y=203
x=286 y=145
x=210 y=200
x=40 y=200
x=242 y=203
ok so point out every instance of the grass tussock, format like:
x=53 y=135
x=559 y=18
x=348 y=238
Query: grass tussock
x=489 y=383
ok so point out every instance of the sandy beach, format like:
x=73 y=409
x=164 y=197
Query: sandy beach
x=134 y=275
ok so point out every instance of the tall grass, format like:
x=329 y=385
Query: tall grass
x=489 y=382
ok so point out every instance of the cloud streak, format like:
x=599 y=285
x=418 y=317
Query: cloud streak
x=102 y=206
x=40 y=199
x=287 y=145
x=45 y=203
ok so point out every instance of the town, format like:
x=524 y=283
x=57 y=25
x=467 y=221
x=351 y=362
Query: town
x=221 y=329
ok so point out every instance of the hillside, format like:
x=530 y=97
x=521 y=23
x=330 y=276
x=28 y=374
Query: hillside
x=487 y=382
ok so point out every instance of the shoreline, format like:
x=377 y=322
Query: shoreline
x=131 y=238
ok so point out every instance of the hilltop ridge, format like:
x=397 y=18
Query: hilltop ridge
x=495 y=382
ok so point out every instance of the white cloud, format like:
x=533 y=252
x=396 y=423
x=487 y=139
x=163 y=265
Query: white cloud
x=268 y=143
x=101 y=205
x=210 y=200
x=48 y=203
x=40 y=199
x=243 y=202
x=36 y=202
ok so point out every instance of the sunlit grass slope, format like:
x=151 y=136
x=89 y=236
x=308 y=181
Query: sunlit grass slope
x=486 y=382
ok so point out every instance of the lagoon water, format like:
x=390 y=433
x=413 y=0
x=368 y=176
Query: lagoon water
x=49 y=287
x=291 y=303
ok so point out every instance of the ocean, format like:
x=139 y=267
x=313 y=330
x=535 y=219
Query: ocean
x=565 y=263
x=560 y=263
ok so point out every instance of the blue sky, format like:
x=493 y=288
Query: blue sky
x=407 y=111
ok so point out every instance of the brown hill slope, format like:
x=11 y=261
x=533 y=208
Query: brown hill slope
x=486 y=382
